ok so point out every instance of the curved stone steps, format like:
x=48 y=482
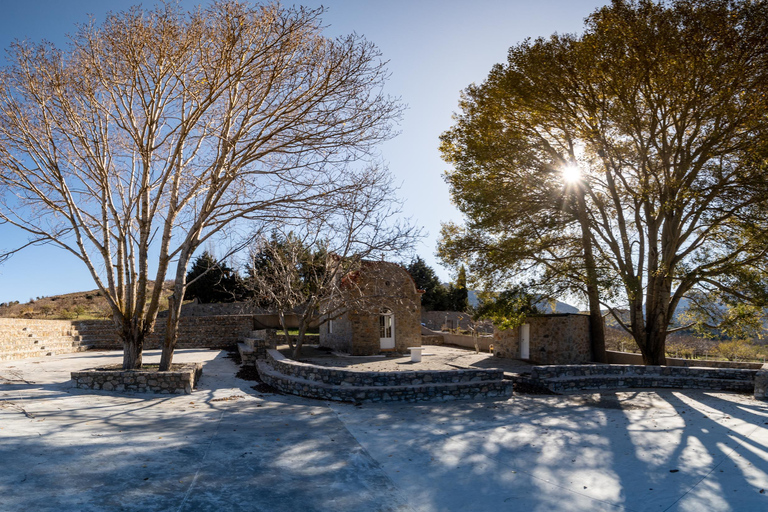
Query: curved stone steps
x=564 y=378
x=443 y=391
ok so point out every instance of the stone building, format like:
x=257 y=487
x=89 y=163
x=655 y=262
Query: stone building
x=547 y=339
x=382 y=312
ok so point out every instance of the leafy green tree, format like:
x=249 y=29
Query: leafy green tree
x=213 y=281
x=458 y=295
x=507 y=309
x=435 y=296
x=626 y=164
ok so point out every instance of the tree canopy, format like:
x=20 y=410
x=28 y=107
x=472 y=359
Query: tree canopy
x=436 y=296
x=158 y=129
x=655 y=120
x=210 y=281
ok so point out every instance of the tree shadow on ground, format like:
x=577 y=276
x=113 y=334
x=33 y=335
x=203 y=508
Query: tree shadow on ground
x=635 y=450
x=225 y=447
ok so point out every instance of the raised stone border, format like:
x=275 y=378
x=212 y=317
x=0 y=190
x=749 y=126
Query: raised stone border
x=312 y=381
x=181 y=380
x=564 y=378
x=761 y=383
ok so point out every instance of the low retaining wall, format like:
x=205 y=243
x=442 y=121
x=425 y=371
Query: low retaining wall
x=313 y=381
x=22 y=338
x=761 y=383
x=180 y=380
x=338 y=377
x=576 y=377
x=614 y=357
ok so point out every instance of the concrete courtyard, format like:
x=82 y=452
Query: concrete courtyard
x=229 y=447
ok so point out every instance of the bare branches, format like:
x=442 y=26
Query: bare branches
x=160 y=129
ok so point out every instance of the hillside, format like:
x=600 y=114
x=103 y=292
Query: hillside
x=544 y=306
x=88 y=305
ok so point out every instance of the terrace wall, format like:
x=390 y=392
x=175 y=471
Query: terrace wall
x=24 y=338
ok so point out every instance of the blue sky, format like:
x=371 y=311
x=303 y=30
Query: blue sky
x=435 y=49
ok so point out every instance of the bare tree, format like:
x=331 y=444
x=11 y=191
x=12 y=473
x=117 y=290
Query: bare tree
x=158 y=130
x=302 y=268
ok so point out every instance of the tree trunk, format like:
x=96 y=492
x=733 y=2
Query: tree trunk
x=654 y=350
x=288 y=340
x=300 y=339
x=171 y=332
x=596 y=324
x=133 y=347
x=656 y=323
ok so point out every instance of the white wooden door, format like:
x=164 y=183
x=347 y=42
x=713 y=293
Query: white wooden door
x=525 y=341
x=387 y=330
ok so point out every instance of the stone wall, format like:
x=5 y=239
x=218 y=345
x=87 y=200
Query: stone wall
x=594 y=376
x=554 y=339
x=181 y=380
x=206 y=332
x=22 y=338
x=377 y=286
x=761 y=383
x=460 y=340
x=216 y=309
x=337 y=334
x=340 y=377
x=333 y=384
x=630 y=358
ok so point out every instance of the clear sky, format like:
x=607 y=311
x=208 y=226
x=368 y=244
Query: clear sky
x=435 y=49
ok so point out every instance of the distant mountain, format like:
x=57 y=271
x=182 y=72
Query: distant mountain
x=560 y=307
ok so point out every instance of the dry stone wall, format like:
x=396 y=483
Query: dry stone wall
x=761 y=383
x=180 y=380
x=23 y=338
x=615 y=357
x=333 y=384
x=564 y=378
x=377 y=287
x=554 y=339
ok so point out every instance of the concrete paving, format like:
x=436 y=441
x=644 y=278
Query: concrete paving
x=229 y=447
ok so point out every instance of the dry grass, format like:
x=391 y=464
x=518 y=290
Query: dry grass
x=90 y=305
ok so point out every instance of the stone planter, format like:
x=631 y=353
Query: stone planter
x=180 y=380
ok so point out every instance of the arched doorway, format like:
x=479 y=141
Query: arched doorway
x=387 y=330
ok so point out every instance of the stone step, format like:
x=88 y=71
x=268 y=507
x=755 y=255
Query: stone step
x=24 y=354
x=408 y=393
x=41 y=344
x=340 y=377
x=576 y=383
x=597 y=370
x=247 y=354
